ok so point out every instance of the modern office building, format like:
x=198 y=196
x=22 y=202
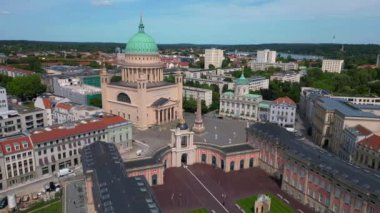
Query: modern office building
x=142 y=96
x=194 y=92
x=73 y=89
x=213 y=56
x=289 y=76
x=283 y=112
x=3 y=100
x=266 y=56
x=329 y=65
x=255 y=66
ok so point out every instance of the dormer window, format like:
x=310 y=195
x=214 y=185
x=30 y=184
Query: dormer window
x=17 y=146
x=8 y=148
x=25 y=145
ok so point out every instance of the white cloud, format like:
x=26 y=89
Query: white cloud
x=108 y=2
x=101 y=2
x=4 y=12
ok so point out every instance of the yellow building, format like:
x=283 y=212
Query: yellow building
x=142 y=96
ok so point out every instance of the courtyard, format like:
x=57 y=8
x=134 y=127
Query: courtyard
x=202 y=186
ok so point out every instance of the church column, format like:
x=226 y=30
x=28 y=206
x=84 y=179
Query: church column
x=165 y=115
x=172 y=113
x=160 y=116
x=169 y=114
x=157 y=117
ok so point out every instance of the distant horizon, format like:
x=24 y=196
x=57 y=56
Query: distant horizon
x=184 y=43
x=193 y=21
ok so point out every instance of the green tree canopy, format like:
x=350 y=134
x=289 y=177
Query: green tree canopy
x=116 y=78
x=26 y=87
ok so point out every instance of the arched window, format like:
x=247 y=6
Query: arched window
x=154 y=180
x=122 y=97
x=251 y=162
x=241 y=164
x=232 y=165
x=204 y=158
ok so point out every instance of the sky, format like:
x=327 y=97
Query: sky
x=193 y=21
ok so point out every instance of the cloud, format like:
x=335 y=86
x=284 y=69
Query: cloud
x=4 y=12
x=108 y=2
x=102 y=2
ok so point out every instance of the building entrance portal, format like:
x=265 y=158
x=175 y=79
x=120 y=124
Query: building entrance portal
x=184 y=159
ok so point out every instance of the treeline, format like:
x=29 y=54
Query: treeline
x=352 y=53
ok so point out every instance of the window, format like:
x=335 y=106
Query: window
x=347 y=199
x=184 y=141
x=337 y=193
x=45 y=170
x=122 y=97
x=204 y=158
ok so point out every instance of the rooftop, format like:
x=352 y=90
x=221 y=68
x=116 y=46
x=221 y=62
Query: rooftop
x=23 y=109
x=148 y=85
x=321 y=160
x=284 y=100
x=372 y=142
x=85 y=126
x=19 y=143
x=344 y=107
x=113 y=190
x=359 y=130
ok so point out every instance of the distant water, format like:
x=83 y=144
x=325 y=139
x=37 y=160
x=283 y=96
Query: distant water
x=300 y=56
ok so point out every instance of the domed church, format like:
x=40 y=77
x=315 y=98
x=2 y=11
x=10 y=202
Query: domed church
x=142 y=96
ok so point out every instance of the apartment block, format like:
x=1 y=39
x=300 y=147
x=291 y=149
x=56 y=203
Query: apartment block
x=266 y=56
x=213 y=56
x=329 y=65
x=256 y=83
x=194 y=92
x=289 y=76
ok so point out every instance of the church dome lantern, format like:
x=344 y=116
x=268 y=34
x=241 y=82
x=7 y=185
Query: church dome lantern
x=141 y=43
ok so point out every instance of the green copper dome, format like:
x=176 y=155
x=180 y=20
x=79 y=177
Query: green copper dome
x=242 y=80
x=141 y=43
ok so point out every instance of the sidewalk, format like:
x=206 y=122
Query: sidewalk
x=26 y=184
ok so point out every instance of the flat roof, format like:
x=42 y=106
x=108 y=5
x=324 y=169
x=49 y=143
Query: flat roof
x=344 y=107
x=362 y=179
x=23 y=109
x=113 y=190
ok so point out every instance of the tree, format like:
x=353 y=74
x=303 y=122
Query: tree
x=116 y=78
x=97 y=102
x=94 y=64
x=226 y=62
x=211 y=67
x=26 y=87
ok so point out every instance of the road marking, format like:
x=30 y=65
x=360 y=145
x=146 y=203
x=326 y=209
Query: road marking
x=200 y=182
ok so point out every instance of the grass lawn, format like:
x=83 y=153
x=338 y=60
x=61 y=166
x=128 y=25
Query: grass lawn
x=198 y=211
x=54 y=207
x=277 y=205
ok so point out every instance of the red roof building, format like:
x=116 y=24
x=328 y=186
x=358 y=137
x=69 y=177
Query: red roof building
x=372 y=142
x=62 y=132
x=14 y=72
x=14 y=145
x=284 y=100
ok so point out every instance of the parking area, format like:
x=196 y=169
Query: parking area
x=202 y=186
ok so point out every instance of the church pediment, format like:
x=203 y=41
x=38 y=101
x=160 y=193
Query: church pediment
x=162 y=102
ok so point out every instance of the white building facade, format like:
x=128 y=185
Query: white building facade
x=258 y=82
x=283 y=112
x=3 y=100
x=213 y=56
x=329 y=65
x=266 y=56
x=286 y=77
x=194 y=92
x=240 y=104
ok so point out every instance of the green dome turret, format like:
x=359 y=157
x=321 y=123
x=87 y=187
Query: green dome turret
x=141 y=43
x=242 y=80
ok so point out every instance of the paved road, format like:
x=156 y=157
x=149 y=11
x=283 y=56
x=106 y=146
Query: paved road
x=75 y=197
